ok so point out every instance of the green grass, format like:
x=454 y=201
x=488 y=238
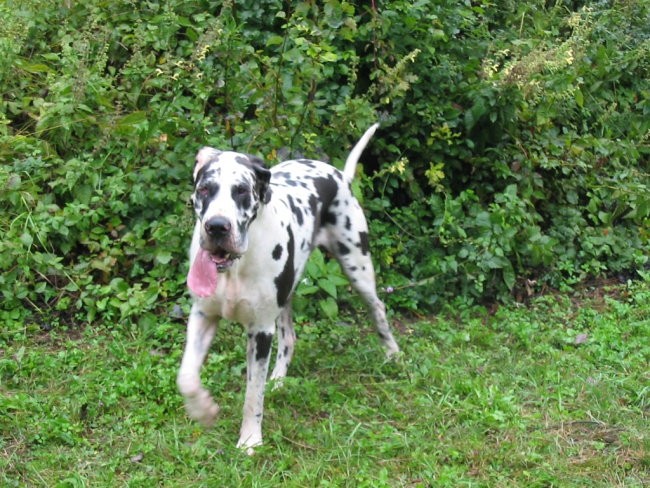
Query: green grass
x=554 y=394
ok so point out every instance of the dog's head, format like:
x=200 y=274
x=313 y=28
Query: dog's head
x=229 y=188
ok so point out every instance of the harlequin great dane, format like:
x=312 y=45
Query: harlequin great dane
x=254 y=232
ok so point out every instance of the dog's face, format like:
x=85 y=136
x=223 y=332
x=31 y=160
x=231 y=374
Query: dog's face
x=228 y=190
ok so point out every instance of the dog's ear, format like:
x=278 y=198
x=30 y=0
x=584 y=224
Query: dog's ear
x=262 y=176
x=204 y=156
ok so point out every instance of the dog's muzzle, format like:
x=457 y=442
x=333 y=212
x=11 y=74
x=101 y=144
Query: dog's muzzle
x=218 y=231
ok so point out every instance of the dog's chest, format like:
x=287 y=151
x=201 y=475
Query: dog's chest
x=241 y=299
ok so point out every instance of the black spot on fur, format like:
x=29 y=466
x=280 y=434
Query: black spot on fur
x=329 y=218
x=206 y=191
x=277 y=252
x=263 y=342
x=241 y=195
x=364 y=243
x=296 y=210
x=285 y=280
x=326 y=189
x=207 y=171
x=262 y=179
x=313 y=208
x=348 y=223
x=343 y=249
x=313 y=205
x=307 y=162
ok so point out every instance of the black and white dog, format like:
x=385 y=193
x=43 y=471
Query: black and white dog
x=254 y=232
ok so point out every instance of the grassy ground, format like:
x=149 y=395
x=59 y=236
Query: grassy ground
x=555 y=394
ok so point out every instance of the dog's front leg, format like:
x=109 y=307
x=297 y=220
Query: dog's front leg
x=198 y=402
x=258 y=354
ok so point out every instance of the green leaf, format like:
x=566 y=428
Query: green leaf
x=274 y=41
x=134 y=120
x=329 y=307
x=164 y=257
x=328 y=287
x=33 y=68
x=579 y=98
x=304 y=290
x=26 y=239
x=330 y=57
x=509 y=276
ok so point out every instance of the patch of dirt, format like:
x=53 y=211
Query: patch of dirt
x=588 y=431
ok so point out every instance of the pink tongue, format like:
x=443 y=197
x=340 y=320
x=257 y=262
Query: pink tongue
x=202 y=278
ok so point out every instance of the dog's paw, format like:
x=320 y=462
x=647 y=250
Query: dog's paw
x=249 y=444
x=393 y=353
x=248 y=450
x=202 y=408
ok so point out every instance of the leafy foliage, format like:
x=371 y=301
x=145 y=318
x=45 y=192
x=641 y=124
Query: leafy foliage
x=528 y=164
x=513 y=154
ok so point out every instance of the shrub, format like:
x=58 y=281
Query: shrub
x=526 y=149
x=513 y=148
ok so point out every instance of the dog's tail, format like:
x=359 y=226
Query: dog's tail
x=355 y=154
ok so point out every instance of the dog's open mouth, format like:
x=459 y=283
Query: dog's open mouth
x=223 y=259
x=202 y=278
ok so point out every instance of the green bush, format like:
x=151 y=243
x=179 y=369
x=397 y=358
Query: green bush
x=513 y=153
x=525 y=149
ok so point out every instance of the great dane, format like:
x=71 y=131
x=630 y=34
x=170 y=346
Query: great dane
x=254 y=232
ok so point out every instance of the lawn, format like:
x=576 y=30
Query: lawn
x=555 y=393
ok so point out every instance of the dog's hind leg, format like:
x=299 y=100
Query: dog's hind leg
x=364 y=283
x=286 y=342
x=198 y=402
x=349 y=244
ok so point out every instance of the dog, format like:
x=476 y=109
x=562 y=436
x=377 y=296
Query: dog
x=255 y=229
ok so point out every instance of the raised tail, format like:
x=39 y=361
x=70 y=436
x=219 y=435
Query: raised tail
x=355 y=154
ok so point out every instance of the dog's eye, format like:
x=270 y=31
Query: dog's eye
x=241 y=190
x=202 y=191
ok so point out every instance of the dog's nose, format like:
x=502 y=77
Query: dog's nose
x=217 y=226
